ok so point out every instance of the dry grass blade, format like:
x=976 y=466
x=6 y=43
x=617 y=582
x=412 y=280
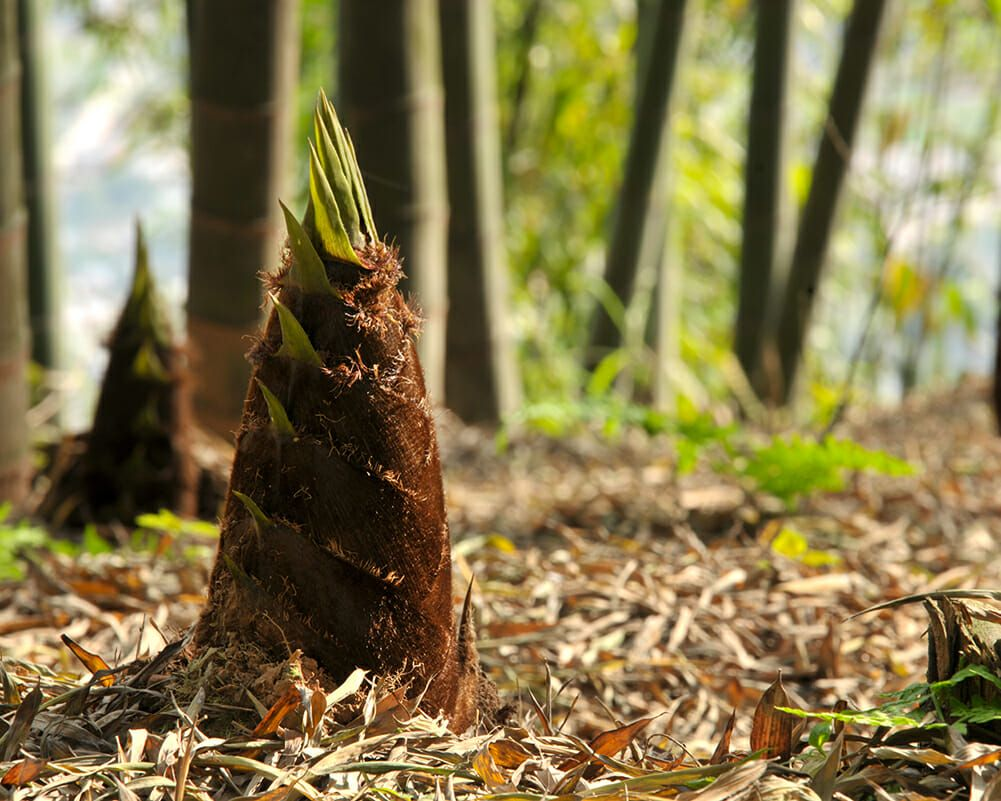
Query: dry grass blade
x=248 y=765
x=731 y=786
x=723 y=747
x=824 y=780
x=655 y=782
x=939 y=595
x=21 y=726
x=547 y=726
x=772 y=730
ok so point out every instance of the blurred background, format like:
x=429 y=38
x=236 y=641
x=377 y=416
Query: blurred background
x=592 y=158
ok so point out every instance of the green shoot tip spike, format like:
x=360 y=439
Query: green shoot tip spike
x=261 y=520
x=358 y=185
x=240 y=575
x=332 y=161
x=277 y=413
x=295 y=342
x=308 y=272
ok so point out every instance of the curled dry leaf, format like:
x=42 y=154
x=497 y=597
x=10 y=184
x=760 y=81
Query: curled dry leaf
x=21 y=727
x=92 y=662
x=289 y=701
x=609 y=743
x=24 y=772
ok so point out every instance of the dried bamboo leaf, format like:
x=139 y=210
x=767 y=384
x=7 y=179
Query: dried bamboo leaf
x=289 y=701
x=23 y=772
x=772 y=730
x=21 y=725
x=248 y=765
x=609 y=743
x=347 y=688
x=92 y=662
x=509 y=753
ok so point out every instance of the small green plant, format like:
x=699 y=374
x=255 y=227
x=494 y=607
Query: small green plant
x=19 y=537
x=168 y=522
x=787 y=467
x=611 y=415
x=917 y=706
x=15 y=538
x=161 y=531
x=791 y=467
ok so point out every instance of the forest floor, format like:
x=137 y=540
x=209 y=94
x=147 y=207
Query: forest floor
x=609 y=591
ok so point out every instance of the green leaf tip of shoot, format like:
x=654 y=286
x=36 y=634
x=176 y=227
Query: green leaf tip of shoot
x=295 y=342
x=340 y=216
x=327 y=117
x=308 y=272
x=338 y=177
x=261 y=520
x=326 y=215
x=239 y=574
x=142 y=308
x=142 y=257
x=277 y=413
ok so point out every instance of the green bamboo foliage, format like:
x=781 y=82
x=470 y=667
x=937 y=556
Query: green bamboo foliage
x=334 y=538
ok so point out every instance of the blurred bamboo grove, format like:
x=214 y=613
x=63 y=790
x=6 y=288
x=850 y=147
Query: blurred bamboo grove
x=901 y=293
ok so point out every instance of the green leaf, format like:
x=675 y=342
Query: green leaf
x=166 y=520
x=308 y=272
x=326 y=216
x=279 y=417
x=148 y=365
x=789 y=468
x=261 y=520
x=326 y=114
x=820 y=733
x=881 y=716
x=790 y=544
x=606 y=372
x=333 y=168
x=361 y=196
x=93 y=543
x=295 y=342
